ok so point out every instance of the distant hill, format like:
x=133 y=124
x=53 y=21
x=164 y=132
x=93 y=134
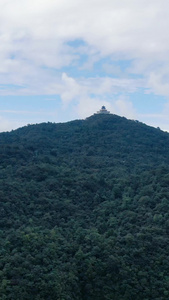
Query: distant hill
x=84 y=211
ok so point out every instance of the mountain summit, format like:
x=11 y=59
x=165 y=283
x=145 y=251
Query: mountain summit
x=103 y=110
x=84 y=211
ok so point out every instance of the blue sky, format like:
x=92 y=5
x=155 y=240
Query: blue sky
x=62 y=60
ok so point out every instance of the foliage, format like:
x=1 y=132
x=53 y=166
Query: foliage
x=84 y=211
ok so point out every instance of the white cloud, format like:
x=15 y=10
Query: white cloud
x=71 y=89
x=88 y=106
x=159 y=82
x=7 y=124
x=34 y=36
x=124 y=107
x=156 y=120
x=121 y=106
x=38 y=49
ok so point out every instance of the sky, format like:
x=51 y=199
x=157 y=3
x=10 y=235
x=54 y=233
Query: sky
x=62 y=60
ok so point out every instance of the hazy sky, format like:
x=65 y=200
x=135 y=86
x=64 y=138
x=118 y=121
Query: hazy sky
x=63 y=59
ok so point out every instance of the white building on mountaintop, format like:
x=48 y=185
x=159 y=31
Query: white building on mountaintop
x=103 y=110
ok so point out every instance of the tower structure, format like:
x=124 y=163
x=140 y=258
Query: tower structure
x=103 y=110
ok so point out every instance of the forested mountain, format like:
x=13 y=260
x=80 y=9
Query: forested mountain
x=84 y=211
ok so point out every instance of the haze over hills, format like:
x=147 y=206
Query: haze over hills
x=84 y=211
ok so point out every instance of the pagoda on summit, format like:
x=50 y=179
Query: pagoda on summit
x=103 y=110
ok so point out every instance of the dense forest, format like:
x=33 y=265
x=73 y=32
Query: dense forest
x=84 y=211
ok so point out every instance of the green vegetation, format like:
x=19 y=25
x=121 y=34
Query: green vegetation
x=84 y=211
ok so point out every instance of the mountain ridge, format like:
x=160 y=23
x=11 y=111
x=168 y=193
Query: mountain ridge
x=97 y=132
x=84 y=211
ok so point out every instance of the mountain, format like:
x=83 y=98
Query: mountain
x=84 y=211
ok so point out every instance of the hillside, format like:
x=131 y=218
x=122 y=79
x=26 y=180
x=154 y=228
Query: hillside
x=84 y=211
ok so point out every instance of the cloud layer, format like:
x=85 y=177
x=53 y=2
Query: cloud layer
x=35 y=34
x=55 y=47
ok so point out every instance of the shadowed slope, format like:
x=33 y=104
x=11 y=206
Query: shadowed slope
x=84 y=211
